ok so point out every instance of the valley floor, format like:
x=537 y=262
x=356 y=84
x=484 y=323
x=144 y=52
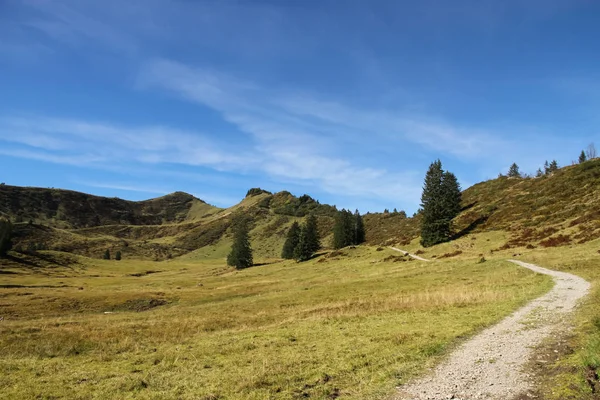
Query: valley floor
x=351 y=324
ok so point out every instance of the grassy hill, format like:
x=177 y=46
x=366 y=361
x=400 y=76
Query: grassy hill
x=172 y=321
x=555 y=210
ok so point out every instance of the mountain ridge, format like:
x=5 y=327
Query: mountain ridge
x=556 y=209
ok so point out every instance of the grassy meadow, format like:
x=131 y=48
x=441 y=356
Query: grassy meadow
x=351 y=324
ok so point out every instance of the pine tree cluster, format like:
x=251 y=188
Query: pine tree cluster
x=440 y=203
x=302 y=242
x=348 y=230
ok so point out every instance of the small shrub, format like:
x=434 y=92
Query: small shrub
x=555 y=241
x=453 y=254
x=481 y=260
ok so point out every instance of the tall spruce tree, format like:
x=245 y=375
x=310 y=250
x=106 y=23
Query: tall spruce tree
x=359 y=228
x=582 y=157
x=440 y=203
x=344 y=229
x=303 y=252
x=451 y=194
x=5 y=236
x=553 y=167
x=291 y=241
x=312 y=234
x=240 y=255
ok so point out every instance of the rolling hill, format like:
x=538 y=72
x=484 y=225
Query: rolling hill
x=558 y=209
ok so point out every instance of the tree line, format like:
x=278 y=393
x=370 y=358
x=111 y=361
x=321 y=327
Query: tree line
x=551 y=167
x=302 y=241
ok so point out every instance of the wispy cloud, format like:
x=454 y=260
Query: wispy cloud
x=99 y=142
x=128 y=187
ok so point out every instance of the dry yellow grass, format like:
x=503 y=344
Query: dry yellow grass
x=349 y=326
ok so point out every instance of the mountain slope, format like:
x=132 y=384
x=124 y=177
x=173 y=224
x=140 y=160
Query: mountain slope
x=553 y=210
x=70 y=209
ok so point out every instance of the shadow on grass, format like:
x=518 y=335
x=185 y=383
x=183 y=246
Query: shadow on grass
x=468 y=206
x=471 y=227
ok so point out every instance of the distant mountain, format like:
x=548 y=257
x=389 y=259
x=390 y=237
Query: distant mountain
x=70 y=209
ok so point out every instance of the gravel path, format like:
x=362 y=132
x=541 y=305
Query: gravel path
x=406 y=253
x=489 y=366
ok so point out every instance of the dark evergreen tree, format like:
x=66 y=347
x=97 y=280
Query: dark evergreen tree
x=303 y=252
x=434 y=226
x=539 y=173
x=582 y=157
x=5 y=236
x=118 y=256
x=451 y=195
x=344 y=229
x=106 y=255
x=553 y=167
x=312 y=234
x=240 y=255
x=513 y=171
x=546 y=168
x=359 y=228
x=440 y=203
x=291 y=241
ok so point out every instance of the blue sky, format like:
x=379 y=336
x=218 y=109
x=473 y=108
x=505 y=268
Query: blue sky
x=348 y=101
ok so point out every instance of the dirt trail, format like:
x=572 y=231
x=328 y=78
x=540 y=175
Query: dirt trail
x=489 y=366
x=406 y=253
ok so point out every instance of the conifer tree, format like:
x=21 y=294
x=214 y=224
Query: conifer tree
x=291 y=241
x=513 y=171
x=546 y=168
x=240 y=255
x=434 y=227
x=118 y=256
x=344 y=231
x=359 y=228
x=5 y=236
x=451 y=195
x=312 y=234
x=106 y=255
x=582 y=157
x=553 y=167
x=303 y=252
x=539 y=173
x=440 y=203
